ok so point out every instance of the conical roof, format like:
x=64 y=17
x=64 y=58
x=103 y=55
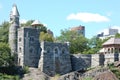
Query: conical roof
x=37 y=23
x=15 y=10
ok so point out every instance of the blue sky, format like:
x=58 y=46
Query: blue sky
x=95 y=15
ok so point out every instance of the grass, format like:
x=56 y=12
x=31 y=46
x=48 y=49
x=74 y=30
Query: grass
x=88 y=78
x=56 y=77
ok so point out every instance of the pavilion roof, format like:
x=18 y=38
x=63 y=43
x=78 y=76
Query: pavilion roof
x=112 y=41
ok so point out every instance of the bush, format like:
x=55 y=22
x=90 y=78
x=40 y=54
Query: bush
x=25 y=69
x=8 y=77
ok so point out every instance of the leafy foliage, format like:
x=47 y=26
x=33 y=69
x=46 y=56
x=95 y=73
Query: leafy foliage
x=4 y=29
x=8 y=77
x=115 y=70
x=46 y=37
x=117 y=35
x=5 y=55
x=28 y=23
x=78 y=43
x=94 y=44
x=43 y=29
x=25 y=69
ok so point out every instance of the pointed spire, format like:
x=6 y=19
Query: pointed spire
x=14 y=11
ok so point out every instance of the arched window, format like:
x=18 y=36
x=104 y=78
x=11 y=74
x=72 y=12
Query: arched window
x=20 y=39
x=48 y=50
x=111 y=50
x=20 y=49
x=119 y=50
x=108 y=50
x=56 y=52
x=64 y=51
x=116 y=51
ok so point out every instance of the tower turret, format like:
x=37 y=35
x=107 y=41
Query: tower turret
x=14 y=20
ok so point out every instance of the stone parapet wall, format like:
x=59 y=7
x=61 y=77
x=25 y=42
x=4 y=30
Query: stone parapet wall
x=80 y=61
x=83 y=61
x=95 y=60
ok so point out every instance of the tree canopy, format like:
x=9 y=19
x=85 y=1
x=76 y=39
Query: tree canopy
x=78 y=43
x=117 y=35
x=4 y=29
x=46 y=37
x=5 y=55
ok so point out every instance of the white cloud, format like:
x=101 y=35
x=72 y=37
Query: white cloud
x=88 y=17
x=0 y=6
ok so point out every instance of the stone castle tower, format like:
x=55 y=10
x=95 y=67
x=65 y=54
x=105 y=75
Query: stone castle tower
x=51 y=58
x=14 y=20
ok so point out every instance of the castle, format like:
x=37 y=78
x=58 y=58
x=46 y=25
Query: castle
x=51 y=58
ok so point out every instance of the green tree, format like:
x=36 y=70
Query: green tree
x=117 y=35
x=78 y=43
x=4 y=29
x=5 y=55
x=28 y=23
x=46 y=37
x=94 y=44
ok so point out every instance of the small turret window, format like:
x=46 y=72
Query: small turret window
x=20 y=39
x=20 y=49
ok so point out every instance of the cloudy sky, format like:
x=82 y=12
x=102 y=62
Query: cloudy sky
x=95 y=15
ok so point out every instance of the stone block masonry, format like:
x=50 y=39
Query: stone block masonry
x=28 y=47
x=83 y=61
x=55 y=58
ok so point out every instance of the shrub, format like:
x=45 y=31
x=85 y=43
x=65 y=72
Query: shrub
x=25 y=69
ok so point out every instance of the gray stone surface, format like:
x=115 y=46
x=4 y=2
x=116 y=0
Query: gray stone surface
x=35 y=74
x=83 y=61
x=14 y=19
x=28 y=47
x=55 y=58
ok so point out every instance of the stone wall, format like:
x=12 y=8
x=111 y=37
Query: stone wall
x=28 y=47
x=83 y=61
x=55 y=58
x=80 y=61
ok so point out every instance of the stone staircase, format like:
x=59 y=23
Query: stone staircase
x=35 y=74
